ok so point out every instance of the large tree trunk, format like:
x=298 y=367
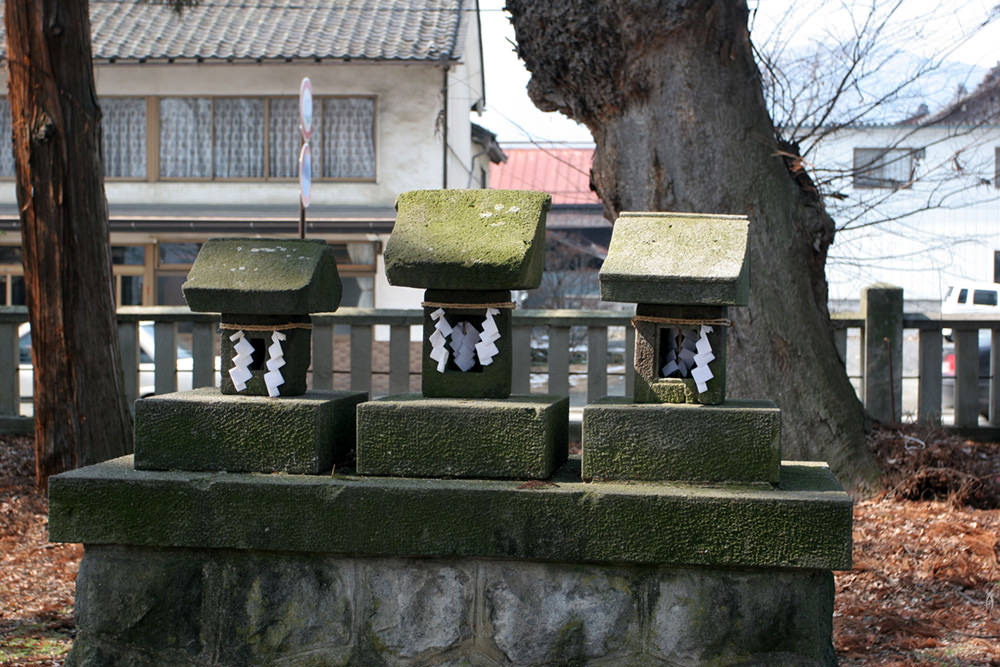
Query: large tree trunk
x=81 y=416
x=672 y=95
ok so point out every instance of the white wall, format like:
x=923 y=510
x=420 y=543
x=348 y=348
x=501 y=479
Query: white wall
x=940 y=231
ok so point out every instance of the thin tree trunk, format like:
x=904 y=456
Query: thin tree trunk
x=81 y=416
x=670 y=91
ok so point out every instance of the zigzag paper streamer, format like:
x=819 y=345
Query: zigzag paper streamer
x=442 y=329
x=701 y=373
x=487 y=349
x=275 y=360
x=240 y=372
x=463 y=341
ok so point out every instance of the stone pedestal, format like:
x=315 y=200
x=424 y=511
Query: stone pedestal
x=737 y=442
x=521 y=437
x=234 y=569
x=208 y=430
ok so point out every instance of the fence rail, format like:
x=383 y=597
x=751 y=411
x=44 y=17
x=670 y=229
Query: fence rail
x=556 y=351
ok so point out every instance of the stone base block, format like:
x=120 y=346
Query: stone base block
x=140 y=605
x=803 y=523
x=738 y=441
x=207 y=430
x=521 y=437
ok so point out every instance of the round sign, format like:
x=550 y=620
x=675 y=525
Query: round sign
x=305 y=174
x=306 y=108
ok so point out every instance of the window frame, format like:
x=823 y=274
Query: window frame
x=317 y=103
x=129 y=179
x=153 y=125
x=861 y=178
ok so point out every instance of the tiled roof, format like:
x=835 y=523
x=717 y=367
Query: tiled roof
x=562 y=172
x=140 y=30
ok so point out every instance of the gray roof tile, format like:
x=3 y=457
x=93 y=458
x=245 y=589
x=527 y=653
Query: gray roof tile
x=273 y=30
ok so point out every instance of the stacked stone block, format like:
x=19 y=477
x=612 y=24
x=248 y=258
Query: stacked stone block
x=468 y=249
x=264 y=290
x=683 y=271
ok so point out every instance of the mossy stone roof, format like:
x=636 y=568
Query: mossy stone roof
x=678 y=259
x=468 y=239
x=264 y=276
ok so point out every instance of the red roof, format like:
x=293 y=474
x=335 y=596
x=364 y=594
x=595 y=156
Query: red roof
x=562 y=172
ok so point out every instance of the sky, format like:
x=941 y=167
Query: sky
x=925 y=28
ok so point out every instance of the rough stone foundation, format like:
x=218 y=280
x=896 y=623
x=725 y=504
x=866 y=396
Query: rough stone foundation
x=200 y=607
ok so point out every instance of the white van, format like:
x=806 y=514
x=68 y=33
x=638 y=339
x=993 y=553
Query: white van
x=972 y=298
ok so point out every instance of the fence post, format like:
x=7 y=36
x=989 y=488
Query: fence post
x=10 y=384
x=882 y=308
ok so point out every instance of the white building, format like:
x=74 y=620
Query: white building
x=201 y=129
x=917 y=204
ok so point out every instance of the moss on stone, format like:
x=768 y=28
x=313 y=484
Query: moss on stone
x=468 y=239
x=738 y=441
x=807 y=525
x=677 y=258
x=522 y=437
x=207 y=430
x=263 y=276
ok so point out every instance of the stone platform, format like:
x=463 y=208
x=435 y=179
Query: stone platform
x=196 y=607
x=205 y=429
x=738 y=441
x=234 y=569
x=521 y=437
x=803 y=523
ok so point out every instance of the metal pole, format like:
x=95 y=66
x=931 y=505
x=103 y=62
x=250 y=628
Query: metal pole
x=302 y=219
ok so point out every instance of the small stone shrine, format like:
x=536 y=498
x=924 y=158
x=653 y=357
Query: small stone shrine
x=468 y=249
x=465 y=536
x=262 y=419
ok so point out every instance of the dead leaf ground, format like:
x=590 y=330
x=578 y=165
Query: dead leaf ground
x=925 y=588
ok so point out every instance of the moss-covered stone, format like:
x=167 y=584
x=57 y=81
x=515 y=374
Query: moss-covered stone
x=803 y=523
x=521 y=437
x=738 y=441
x=490 y=381
x=263 y=276
x=207 y=430
x=678 y=258
x=468 y=239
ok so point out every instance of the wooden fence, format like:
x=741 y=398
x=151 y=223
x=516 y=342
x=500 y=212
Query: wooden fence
x=557 y=345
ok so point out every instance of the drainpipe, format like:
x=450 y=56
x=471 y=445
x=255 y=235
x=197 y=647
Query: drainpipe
x=444 y=124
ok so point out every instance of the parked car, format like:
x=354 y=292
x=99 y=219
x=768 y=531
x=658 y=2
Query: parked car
x=948 y=375
x=147 y=352
x=983 y=298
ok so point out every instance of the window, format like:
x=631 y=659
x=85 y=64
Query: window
x=123 y=136
x=7 y=134
x=204 y=138
x=885 y=167
x=982 y=297
x=963 y=294
x=247 y=137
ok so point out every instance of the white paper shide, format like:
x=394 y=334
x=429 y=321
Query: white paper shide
x=275 y=360
x=240 y=372
x=688 y=354
x=467 y=343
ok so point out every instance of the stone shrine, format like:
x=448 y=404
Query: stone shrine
x=462 y=546
x=262 y=419
x=468 y=249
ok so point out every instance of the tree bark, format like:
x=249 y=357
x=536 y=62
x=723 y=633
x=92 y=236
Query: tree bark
x=672 y=95
x=81 y=415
